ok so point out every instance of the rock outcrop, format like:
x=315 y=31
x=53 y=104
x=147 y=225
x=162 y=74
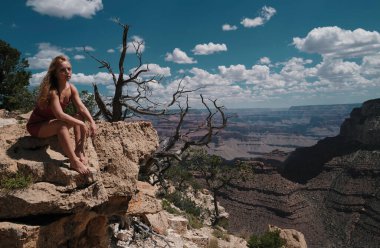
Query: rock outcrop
x=62 y=208
x=329 y=192
x=293 y=238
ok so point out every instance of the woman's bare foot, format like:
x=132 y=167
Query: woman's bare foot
x=81 y=157
x=78 y=166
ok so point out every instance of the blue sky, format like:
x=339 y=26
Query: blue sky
x=245 y=53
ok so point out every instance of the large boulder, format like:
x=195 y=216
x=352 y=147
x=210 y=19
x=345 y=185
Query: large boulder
x=293 y=238
x=62 y=208
x=144 y=201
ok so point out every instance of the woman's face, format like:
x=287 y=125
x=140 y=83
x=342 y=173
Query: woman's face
x=64 y=71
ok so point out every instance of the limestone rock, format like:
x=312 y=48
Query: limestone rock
x=145 y=201
x=18 y=235
x=5 y=122
x=45 y=198
x=80 y=230
x=120 y=148
x=63 y=208
x=201 y=239
x=158 y=222
x=205 y=199
x=294 y=238
x=25 y=116
x=3 y=113
x=175 y=239
x=178 y=224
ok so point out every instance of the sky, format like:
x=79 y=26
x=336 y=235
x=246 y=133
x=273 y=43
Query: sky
x=245 y=53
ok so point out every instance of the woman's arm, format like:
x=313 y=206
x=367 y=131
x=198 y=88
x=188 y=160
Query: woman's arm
x=56 y=108
x=81 y=108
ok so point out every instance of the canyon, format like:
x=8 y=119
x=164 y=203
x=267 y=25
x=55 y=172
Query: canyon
x=328 y=191
x=320 y=176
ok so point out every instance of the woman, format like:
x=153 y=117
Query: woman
x=48 y=118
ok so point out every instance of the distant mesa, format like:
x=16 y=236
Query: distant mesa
x=360 y=131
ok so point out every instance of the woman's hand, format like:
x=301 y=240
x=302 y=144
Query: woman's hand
x=93 y=129
x=85 y=128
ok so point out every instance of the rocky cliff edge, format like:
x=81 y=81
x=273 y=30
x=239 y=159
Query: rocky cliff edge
x=62 y=208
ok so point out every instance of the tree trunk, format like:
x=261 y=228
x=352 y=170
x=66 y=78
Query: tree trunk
x=216 y=209
x=116 y=104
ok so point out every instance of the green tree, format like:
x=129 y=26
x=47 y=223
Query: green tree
x=217 y=173
x=270 y=239
x=88 y=101
x=14 y=79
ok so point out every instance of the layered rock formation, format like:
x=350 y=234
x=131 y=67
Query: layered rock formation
x=329 y=192
x=62 y=208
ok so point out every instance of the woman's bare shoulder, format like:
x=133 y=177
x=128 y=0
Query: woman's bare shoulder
x=53 y=94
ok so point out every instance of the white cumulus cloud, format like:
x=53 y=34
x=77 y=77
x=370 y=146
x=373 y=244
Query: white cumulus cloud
x=180 y=57
x=98 y=78
x=36 y=78
x=77 y=78
x=210 y=48
x=370 y=67
x=46 y=53
x=86 y=48
x=79 y=57
x=340 y=72
x=136 y=43
x=264 y=16
x=67 y=8
x=153 y=70
x=264 y=60
x=228 y=27
x=339 y=43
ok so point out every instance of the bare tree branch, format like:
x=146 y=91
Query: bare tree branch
x=102 y=107
x=134 y=96
x=104 y=64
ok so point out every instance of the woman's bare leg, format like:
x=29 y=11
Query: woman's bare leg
x=61 y=129
x=80 y=139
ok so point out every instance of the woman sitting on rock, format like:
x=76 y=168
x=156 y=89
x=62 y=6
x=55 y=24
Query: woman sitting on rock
x=48 y=118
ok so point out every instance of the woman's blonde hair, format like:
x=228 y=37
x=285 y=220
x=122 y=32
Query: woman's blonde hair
x=50 y=81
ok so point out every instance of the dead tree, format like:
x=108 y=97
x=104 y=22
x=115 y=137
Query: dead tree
x=127 y=103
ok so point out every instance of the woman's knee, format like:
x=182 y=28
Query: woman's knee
x=63 y=126
x=78 y=116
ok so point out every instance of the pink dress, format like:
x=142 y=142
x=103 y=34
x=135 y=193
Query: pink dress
x=40 y=116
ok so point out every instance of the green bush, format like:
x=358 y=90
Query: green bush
x=221 y=235
x=184 y=203
x=181 y=177
x=87 y=99
x=194 y=222
x=267 y=240
x=18 y=181
x=70 y=109
x=222 y=222
x=167 y=206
